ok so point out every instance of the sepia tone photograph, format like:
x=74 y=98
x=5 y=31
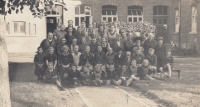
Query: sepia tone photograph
x=99 y=53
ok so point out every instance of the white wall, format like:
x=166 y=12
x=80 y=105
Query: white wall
x=20 y=43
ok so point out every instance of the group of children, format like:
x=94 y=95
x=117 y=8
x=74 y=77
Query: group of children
x=97 y=56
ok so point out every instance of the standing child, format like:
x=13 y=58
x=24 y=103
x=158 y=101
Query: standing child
x=51 y=75
x=168 y=63
x=124 y=76
x=39 y=64
x=74 y=76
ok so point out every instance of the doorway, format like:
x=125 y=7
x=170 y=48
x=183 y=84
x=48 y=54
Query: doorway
x=51 y=24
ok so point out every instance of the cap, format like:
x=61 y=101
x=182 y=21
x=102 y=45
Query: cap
x=160 y=38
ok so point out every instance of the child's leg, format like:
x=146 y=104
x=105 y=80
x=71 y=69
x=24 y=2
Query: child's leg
x=128 y=81
x=169 y=69
x=134 y=77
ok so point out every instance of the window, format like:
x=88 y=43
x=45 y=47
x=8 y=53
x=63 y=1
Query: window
x=32 y=29
x=194 y=18
x=19 y=27
x=109 y=13
x=135 y=14
x=8 y=28
x=160 y=15
x=82 y=13
x=177 y=20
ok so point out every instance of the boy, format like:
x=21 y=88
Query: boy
x=144 y=70
x=93 y=46
x=82 y=45
x=51 y=74
x=152 y=60
x=74 y=42
x=39 y=64
x=118 y=44
x=79 y=35
x=76 y=57
x=111 y=75
x=138 y=46
x=65 y=60
x=51 y=57
x=149 y=43
x=99 y=58
x=128 y=43
x=85 y=76
x=124 y=76
x=97 y=76
x=110 y=58
x=134 y=70
x=119 y=60
x=74 y=76
x=168 y=63
x=138 y=57
x=69 y=36
x=128 y=58
x=60 y=45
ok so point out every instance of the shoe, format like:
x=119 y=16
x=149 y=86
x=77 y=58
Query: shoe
x=61 y=88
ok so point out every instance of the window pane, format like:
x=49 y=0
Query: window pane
x=139 y=12
x=77 y=10
x=129 y=12
x=135 y=19
x=155 y=21
x=82 y=19
x=134 y=12
x=114 y=12
x=130 y=19
x=16 y=28
x=155 y=11
x=140 y=18
x=164 y=10
x=76 y=21
x=104 y=18
x=108 y=12
x=109 y=19
x=164 y=21
x=103 y=12
x=160 y=21
x=22 y=27
x=160 y=10
x=82 y=10
x=114 y=19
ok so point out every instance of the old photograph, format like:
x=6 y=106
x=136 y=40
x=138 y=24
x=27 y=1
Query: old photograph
x=99 y=53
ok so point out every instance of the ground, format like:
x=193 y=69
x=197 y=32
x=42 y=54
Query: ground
x=26 y=91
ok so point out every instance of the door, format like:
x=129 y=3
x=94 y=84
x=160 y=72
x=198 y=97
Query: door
x=51 y=24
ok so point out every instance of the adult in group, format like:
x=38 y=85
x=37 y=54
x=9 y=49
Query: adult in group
x=129 y=43
x=59 y=33
x=106 y=28
x=95 y=27
x=149 y=43
x=83 y=27
x=79 y=35
x=69 y=36
x=101 y=32
x=70 y=24
x=118 y=44
x=116 y=27
x=49 y=42
x=105 y=45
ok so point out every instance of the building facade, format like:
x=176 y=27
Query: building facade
x=159 y=12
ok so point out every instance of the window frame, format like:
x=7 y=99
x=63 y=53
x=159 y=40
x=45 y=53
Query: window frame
x=193 y=19
x=107 y=17
x=177 y=20
x=19 y=31
x=135 y=16
x=160 y=17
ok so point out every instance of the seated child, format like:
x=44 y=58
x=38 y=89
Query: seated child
x=39 y=64
x=124 y=76
x=74 y=43
x=138 y=57
x=51 y=57
x=51 y=76
x=111 y=75
x=152 y=58
x=65 y=61
x=128 y=58
x=85 y=75
x=97 y=76
x=134 y=70
x=167 y=64
x=138 y=46
x=74 y=76
x=119 y=57
x=144 y=70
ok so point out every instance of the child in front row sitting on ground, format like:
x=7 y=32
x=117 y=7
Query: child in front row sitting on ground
x=167 y=64
x=74 y=76
x=97 y=76
x=134 y=70
x=51 y=76
x=39 y=64
x=51 y=57
x=144 y=70
x=111 y=75
x=85 y=76
x=124 y=76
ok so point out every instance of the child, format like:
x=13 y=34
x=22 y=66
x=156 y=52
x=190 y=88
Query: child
x=82 y=45
x=93 y=45
x=119 y=59
x=85 y=76
x=111 y=75
x=134 y=70
x=160 y=52
x=124 y=76
x=60 y=45
x=39 y=64
x=110 y=58
x=65 y=60
x=152 y=60
x=51 y=75
x=168 y=63
x=138 y=57
x=51 y=57
x=97 y=76
x=143 y=70
x=128 y=58
x=74 y=76
x=138 y=46
x=76 y=57
x=74 y=42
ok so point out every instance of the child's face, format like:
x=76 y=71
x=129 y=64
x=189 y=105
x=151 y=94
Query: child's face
x=138 y=43
x=133 y=63
x=50 y=36
x=74 y=68
x=63 y=41
x=94 y=24
x=51 y=51
x=97 y=69
x=128 y=55
x=94 y=41
x=50 y=66
x=76 y=49
x=160 y=42
x=124 y=68
x=151 y=52
x=83 y=40
x=40 y=50
x=74 y=41
x=79 y=30
x=137 y=52
x=168 y=53
x=87 y=49
x=101 y=28
x=65 y=51
x=145 y=63
x=99 y=48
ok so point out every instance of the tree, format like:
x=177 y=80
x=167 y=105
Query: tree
x=37 y=7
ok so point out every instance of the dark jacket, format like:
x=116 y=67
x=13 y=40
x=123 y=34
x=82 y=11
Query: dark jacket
x=87 y=58
x=128 y=45
x=139 y=58
x=66 y=59
x=110 y=58
x=73 y=31
x=152 y=59
x=149 y=44
x=39 y=58
x=160 y=51
x=119 y=60
x=116 y=47
x=99 y=57
x=112 y=75
x=169 y=60
x=72 y=75
x=45 y=44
